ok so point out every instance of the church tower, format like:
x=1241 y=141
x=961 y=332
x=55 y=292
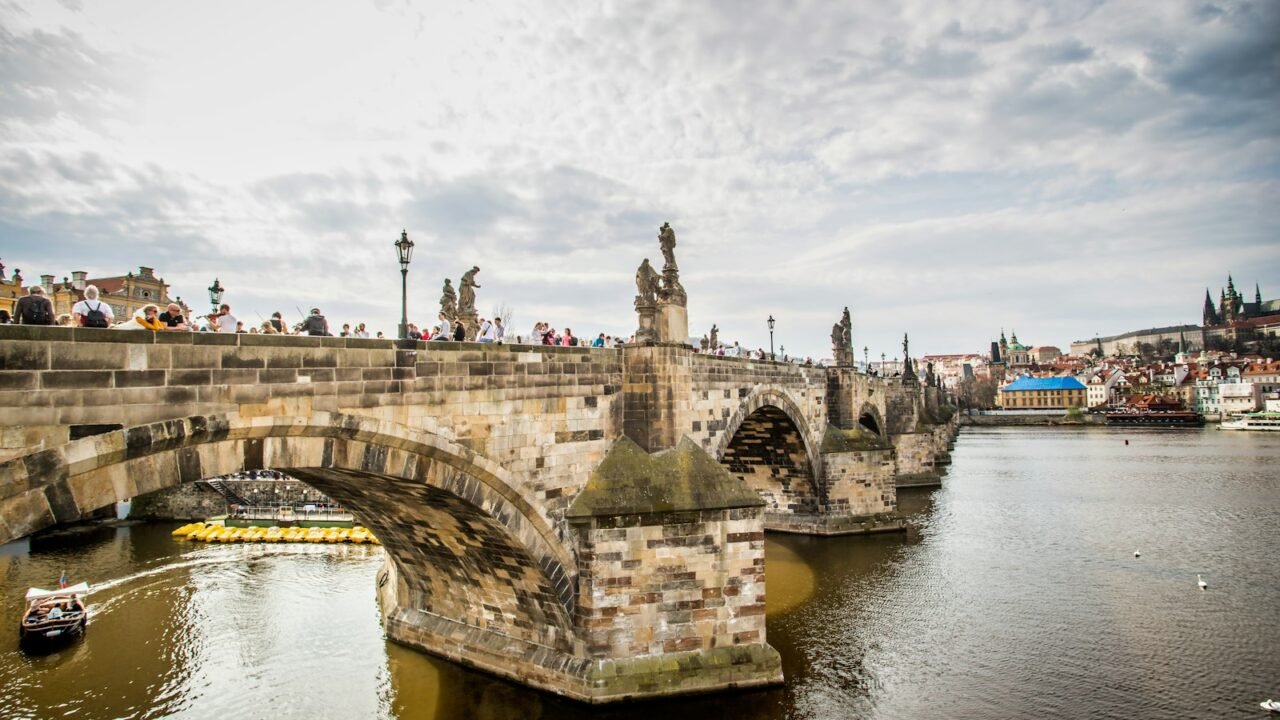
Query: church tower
x=1210 y=315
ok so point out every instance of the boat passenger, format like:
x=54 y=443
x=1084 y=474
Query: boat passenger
x=55 y=612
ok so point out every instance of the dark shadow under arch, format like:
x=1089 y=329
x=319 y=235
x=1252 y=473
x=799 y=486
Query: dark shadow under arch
x=769 y=454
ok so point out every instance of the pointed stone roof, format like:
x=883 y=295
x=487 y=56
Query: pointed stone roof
x=630 y=481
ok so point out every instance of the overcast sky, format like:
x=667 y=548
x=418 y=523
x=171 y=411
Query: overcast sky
x=942 y=168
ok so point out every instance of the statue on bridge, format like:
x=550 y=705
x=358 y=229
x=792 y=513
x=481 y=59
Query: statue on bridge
x=715 y=336
x=909 y=376
x=661 y=300
x=842 y=340
x=647 y=284
x=449 y=301
x=667 y=241
x=467 y=292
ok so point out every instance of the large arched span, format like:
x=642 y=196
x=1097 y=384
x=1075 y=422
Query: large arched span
x=767 y=444
x=468 y=544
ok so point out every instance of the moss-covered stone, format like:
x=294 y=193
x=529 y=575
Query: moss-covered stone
x=857 y=439
x=630 y=481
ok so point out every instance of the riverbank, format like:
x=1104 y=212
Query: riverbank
x=1026 y=420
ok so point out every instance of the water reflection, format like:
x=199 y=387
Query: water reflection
x=1015 y=593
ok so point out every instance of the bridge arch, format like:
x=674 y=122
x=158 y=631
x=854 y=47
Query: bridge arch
x=769 y=443
x=870 y=419
x=467 y=544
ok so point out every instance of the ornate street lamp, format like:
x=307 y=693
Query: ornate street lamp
x=782 y=350
x=771 y=355
x=866 y=361
x=881 y=364
x=404 y=246
x=215 y=294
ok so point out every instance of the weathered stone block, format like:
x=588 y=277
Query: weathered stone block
x=21 y=355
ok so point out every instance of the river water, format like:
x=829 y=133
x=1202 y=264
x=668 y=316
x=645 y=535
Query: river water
x=1015 y=594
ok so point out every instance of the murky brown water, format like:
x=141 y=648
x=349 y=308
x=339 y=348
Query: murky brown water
x=1016 y=594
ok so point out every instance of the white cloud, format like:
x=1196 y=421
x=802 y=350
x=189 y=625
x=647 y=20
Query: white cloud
x=942 y=168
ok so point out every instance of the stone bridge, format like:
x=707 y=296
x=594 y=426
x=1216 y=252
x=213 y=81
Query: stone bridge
x=585 y=521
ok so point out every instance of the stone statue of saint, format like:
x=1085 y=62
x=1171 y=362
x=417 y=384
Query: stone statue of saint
x=647 y=284
x=715 y=336
x=467 y=292
x=906 y=352
x=449 y=301
x=705 y=343
x=837 y=342
x=847 y=325
x=667 y=241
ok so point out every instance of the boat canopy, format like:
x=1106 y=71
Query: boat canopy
x=38 y=594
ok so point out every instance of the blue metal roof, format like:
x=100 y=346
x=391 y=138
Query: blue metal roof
x=1053 y=383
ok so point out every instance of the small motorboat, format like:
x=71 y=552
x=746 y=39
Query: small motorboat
x=1272 y=705
x=53 y=616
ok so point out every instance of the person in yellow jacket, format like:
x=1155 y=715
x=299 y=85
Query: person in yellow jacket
x=150 y=318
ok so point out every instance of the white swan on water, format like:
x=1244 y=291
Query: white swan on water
x=1203 y=585
x=1137 y=553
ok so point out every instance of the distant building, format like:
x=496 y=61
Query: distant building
x=1231 y=323
x=1045 y=354
x=126 y=294
x=1014 y=353
x=1163 y=340
x=1234 y=322
x=1054 y=393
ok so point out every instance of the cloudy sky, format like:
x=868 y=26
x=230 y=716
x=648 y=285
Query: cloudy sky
x=942 y=168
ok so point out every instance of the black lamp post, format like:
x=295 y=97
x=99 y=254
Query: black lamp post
x=404 y=246
x=215 y=294
x=882 y=363
x=771 y=355
x=866 y=360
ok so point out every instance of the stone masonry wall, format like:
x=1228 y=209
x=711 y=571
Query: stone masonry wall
x=188 y=501
x=861 y=482
x=681 y=594
x=721 y=388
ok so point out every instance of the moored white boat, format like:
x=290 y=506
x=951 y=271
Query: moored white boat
x=1272 y=705
x=1266 y=420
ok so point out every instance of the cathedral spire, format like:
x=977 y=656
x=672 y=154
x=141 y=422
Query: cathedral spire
x=1257 y=295
x=1210 y=316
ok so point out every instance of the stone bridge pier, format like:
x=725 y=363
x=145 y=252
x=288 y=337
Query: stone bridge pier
x=585 y=521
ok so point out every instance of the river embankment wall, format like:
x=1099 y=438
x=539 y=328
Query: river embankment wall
x=1021 y=420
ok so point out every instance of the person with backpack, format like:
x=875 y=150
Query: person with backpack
x=92 y=312
x=35 y=308
x=316 y=324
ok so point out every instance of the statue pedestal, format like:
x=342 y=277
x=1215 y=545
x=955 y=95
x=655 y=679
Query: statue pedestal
x=648 y=330
x=673 y=323
x=471 y=323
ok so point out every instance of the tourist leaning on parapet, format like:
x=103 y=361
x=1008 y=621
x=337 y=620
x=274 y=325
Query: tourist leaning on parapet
x=92 y=312
x=149 y=318
x=34 y=309
x=173 y=319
